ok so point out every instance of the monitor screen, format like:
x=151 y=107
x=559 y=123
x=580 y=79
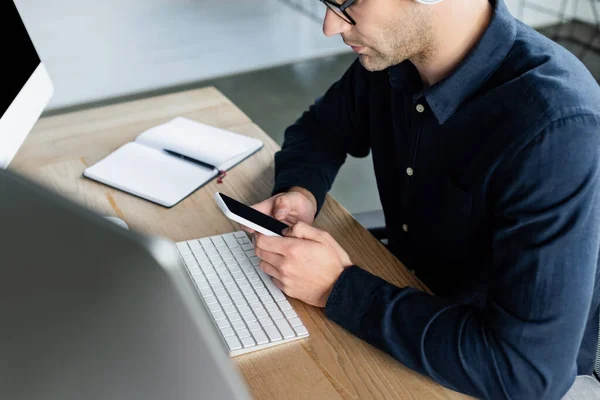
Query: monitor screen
x=19 y=57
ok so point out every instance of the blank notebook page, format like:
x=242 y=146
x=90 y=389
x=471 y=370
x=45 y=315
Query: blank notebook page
x=150 y=173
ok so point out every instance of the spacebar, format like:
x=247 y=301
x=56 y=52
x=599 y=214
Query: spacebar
x=274 y=290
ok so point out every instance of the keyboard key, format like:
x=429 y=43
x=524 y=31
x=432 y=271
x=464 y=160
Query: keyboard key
x=248 y=342
x=260 y=337
x=218 y=315
x=241 y=241
x=257 y=306
x=217 y=286
x=227 y=279
x=230 y=240
x=243 y=333
x=274 y=290
x=233 y=343
x=218 y=241
x=202 y=285
x=233 y=317
x=204 y=241
x=266 y=321
x=284 y=328
x=237 y=250
x=236 y=295
x=210 y=299
x=245 y=263
x=250 y=253
x=243 y=283
x=247 y=247
x=271 y=307
x=254 y=260
x=226 y=332
x=230 y=263
x=229 y=309
x=244 y=310
x=213 y=279
x=194 y=244
x=253 y=325
x=241 y=302
x=214 y=307
x=276 y=314
x=301 y=330
x=245 y=239
x=249 y=318
x=221 y=294
x=222 y=323
x=295 y=322
x=273 y=333
x=263 y=291
x=247 y=291
x=239 y=234
x=237 y=325
x=289 y=314
x=206 y=292
x=260 y=313
x=241 y=257
x=284 y=305
x=211 y=252
x=226 y=301
x=183 y=248
x=251 y=298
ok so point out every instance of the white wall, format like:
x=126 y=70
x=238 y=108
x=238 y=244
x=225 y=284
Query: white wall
x=537 y=19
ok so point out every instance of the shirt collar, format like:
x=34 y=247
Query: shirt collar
x=446 y=96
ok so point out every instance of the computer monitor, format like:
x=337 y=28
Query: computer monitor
x=26 y=88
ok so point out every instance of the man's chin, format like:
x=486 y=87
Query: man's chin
x=371 y=63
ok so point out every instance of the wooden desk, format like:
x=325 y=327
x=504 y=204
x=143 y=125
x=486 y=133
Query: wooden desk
x=331 y=363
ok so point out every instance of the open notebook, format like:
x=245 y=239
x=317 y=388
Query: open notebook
x=167 y=163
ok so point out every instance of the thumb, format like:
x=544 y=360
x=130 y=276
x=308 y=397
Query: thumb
x=302 y=230
x=282 y=207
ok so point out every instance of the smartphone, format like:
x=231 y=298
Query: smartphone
x=249 y=217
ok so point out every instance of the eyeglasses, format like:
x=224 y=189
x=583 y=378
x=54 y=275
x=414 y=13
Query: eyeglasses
x=340 y=9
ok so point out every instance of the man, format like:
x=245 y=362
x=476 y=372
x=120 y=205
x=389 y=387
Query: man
x=485 y=138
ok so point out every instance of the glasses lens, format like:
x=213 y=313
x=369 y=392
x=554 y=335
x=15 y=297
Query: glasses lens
x=337 y=10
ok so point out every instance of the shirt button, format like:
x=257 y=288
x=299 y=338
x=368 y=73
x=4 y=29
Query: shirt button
x=405 y=228
x=420 y=108
x=409 y=171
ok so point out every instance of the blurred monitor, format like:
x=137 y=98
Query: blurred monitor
x=26 y=87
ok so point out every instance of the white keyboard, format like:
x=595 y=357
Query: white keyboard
x=249 y=310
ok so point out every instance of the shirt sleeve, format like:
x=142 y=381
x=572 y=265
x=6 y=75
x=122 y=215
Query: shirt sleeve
x=316 y=145
x=524 y=342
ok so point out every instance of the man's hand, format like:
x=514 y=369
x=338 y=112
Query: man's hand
x=296 y=205
x=305 y=264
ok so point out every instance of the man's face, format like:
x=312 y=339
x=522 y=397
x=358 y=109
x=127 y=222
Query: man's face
x=387 y=32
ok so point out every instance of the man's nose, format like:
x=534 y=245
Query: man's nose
x=333 y=24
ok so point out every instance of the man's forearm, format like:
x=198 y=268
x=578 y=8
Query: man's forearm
x=455 y=344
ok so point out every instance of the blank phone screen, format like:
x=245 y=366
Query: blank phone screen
x=253 y=215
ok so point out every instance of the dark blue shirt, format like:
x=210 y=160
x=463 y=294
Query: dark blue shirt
x=489 y=181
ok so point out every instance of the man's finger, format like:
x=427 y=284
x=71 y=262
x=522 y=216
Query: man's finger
x=279 y=284
x=272 y=258
x=272 y=244
x=282 y=207
x=305 y=231
x=269 y=269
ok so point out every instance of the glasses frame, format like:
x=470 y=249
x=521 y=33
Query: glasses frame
x=335 y=7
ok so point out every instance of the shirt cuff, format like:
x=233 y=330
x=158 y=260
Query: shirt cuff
x=351 y=298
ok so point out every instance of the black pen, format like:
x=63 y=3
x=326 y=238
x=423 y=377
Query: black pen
x=198 y=162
